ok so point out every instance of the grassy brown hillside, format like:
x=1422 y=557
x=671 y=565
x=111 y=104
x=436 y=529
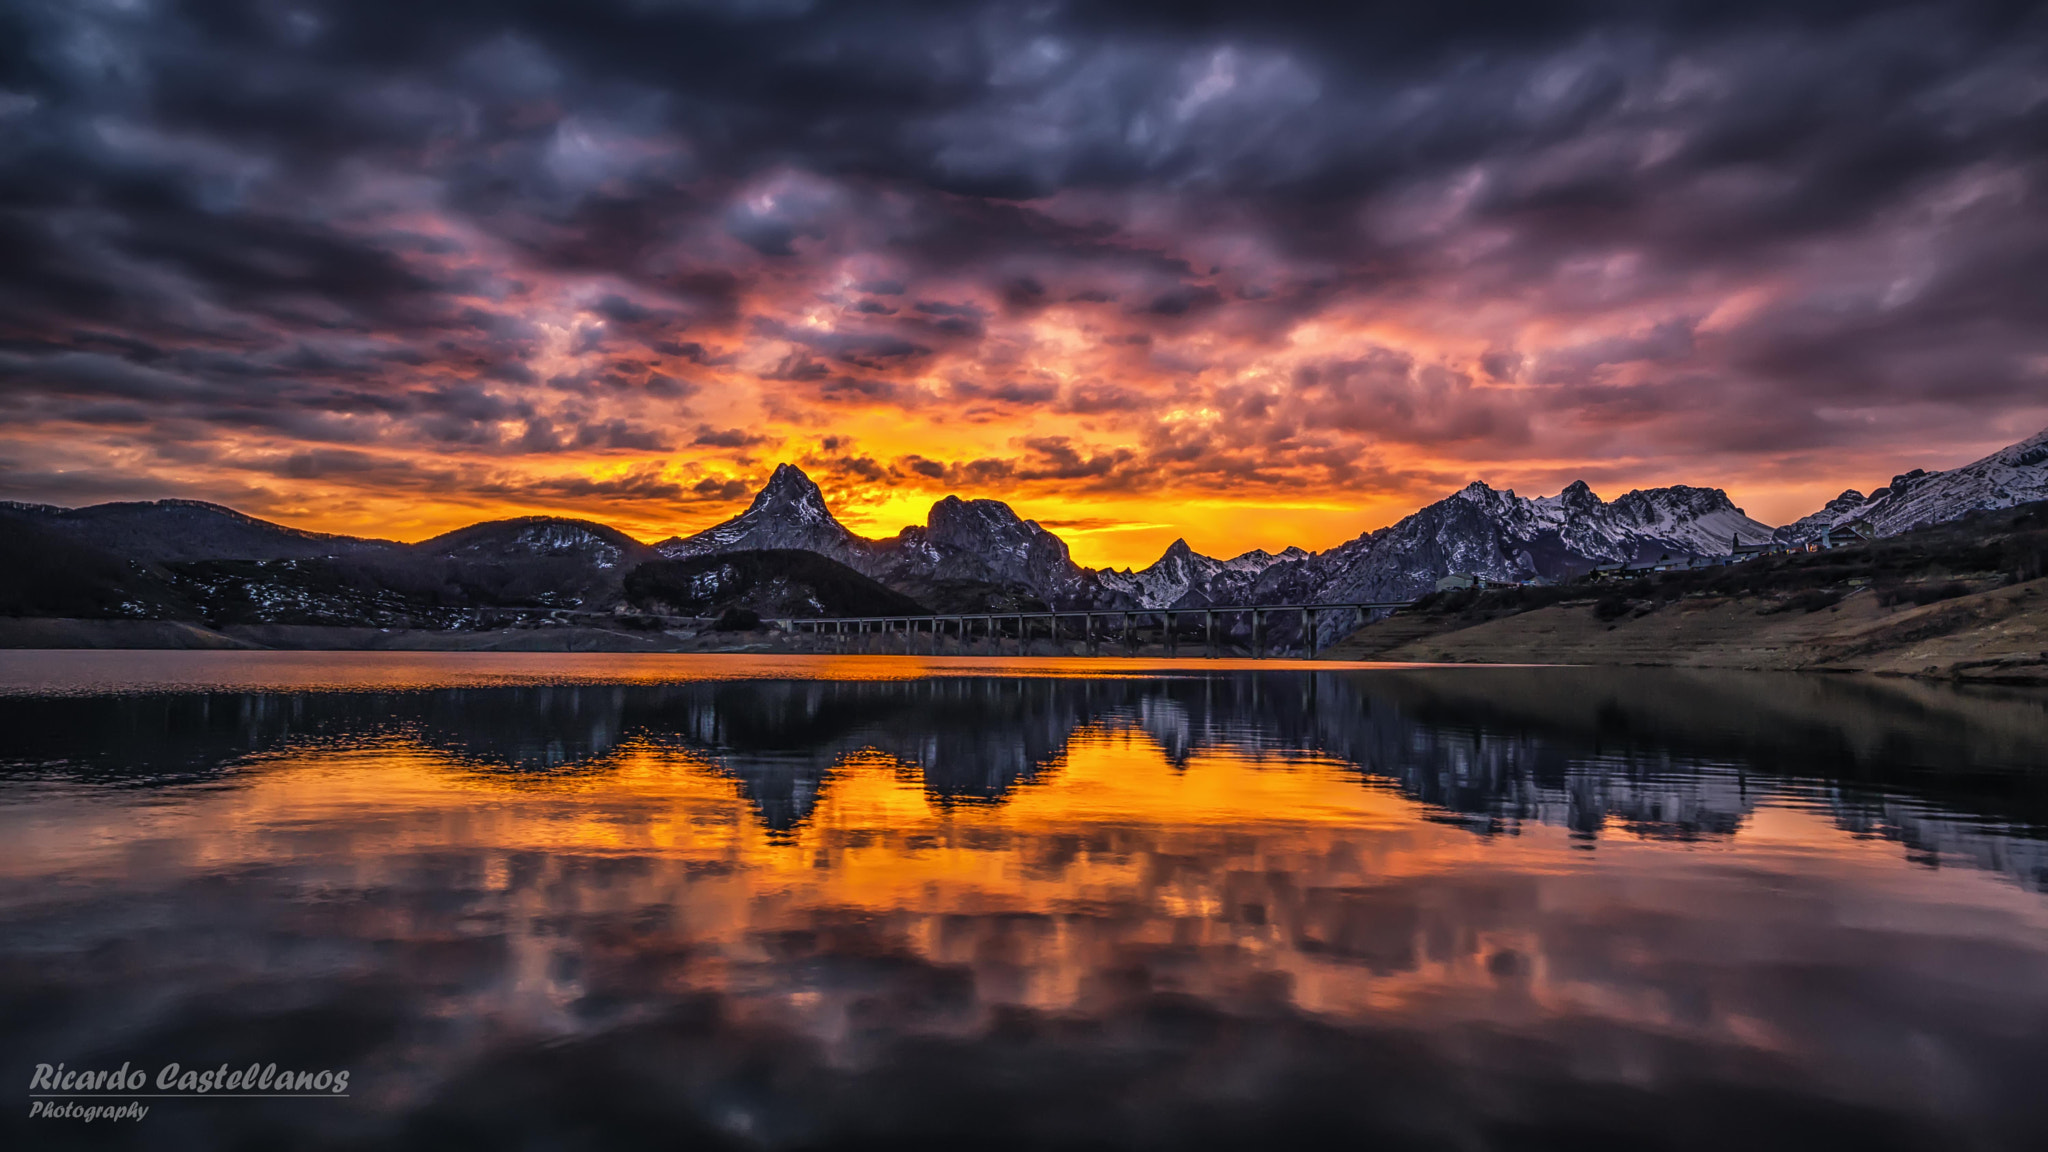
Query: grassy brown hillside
x=1966 y=600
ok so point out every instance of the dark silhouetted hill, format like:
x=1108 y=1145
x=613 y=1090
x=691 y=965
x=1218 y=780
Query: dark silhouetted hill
x=45 y=572
x=157 y=530
x=775 y=582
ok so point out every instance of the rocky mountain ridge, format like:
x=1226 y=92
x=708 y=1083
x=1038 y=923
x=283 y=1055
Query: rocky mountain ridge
x=2015 y=474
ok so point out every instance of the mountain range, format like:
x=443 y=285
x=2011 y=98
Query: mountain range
x=969 y=555
x=1481 y=530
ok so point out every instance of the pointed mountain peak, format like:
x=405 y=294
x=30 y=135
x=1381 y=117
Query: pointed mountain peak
x=790 y=492
x=1578 y=492
x=789 y=484
x=1179 y=557
x=788 y=512
x=1483 y=495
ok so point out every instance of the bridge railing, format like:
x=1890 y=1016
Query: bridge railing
x=1130 y=623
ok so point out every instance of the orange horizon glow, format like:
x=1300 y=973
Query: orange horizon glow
x=1100 y=531
x=1232 y=436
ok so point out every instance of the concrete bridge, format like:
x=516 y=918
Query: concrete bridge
x=1125 y=626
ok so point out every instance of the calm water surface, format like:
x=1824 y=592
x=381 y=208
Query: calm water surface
x=601 y=901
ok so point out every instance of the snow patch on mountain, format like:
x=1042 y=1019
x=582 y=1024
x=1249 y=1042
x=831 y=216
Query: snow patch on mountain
x=555 y=538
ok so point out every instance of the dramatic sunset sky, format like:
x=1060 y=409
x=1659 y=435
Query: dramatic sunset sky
x=1247 y=272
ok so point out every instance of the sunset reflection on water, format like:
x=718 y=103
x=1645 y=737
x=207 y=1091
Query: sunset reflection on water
x=798 y=913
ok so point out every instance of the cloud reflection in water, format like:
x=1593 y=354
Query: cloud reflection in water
x=1435 y=907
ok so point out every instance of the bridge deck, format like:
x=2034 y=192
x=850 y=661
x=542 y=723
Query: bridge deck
x=1130 y=620
x=1040 y=614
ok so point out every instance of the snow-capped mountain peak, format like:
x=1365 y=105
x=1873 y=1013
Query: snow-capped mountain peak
x=1577 y=497
x=1185 y=578
x=1702 y=521
x=1478 y=492
x=1165 y=582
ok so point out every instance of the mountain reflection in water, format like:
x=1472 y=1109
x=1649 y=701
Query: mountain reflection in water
x=1462 y=908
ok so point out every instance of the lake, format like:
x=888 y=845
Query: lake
x=538 y=901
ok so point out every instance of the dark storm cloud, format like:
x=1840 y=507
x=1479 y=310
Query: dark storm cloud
x=859 y=346
x=500 y=227
x=727 y=437
x=646 y=483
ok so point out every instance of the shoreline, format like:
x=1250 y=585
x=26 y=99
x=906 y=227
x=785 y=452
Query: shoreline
x=1996 y=637
x=1999 y=636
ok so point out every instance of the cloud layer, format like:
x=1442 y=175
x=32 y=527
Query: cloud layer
x=394 y=266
